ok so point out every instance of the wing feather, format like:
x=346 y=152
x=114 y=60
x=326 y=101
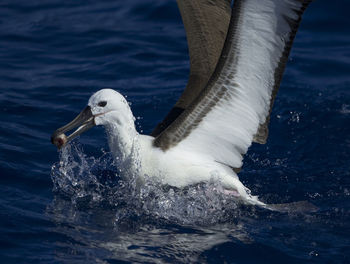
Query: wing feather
x=206 y=23
x=223 y=120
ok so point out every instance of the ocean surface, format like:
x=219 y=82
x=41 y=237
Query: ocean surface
x=72 y=206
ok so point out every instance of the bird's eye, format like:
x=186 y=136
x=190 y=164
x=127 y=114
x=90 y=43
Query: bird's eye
x=102 y=103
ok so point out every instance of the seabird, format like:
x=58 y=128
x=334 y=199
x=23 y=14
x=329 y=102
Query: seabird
x=237 y=58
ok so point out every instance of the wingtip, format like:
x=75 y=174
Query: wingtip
x=294 y=207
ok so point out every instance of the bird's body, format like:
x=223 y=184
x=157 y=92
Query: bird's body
x=237 y=61
x=177 y=167
x=180 y=168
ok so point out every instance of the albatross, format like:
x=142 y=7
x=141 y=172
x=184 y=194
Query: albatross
x=237 y=58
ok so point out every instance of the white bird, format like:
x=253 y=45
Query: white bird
x=237 y=61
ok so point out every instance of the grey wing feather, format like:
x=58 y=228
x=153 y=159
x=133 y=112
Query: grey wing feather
x=206 y=23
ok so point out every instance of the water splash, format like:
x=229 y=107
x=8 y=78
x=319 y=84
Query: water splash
x=91 y=183
x=345 y=109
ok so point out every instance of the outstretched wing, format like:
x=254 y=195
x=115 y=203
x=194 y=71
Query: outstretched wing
x=206 y=23
x=222 y=121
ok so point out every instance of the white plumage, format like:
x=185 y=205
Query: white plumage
x=177 y=167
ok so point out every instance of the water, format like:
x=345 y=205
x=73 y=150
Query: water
x=73 y=207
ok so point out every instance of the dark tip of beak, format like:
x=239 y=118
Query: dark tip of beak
x=59 y=140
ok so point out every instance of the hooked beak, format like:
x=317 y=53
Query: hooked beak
x=84 y=121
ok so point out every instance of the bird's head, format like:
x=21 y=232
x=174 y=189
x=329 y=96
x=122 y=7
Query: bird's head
x=102 y=106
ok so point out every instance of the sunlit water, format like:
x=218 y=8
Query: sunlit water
x=77 y=206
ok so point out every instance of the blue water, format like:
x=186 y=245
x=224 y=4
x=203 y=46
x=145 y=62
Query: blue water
x=71 y=207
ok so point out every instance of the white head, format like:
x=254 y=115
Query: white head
x=108 y=106
x=105 y=107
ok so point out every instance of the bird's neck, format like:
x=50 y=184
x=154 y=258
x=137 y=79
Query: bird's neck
x=123 y=138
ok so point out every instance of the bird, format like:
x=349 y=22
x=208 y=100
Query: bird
x=238 y=53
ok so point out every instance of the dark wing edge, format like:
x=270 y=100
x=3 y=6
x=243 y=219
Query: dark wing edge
x=263 y=130
x=206 y=23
